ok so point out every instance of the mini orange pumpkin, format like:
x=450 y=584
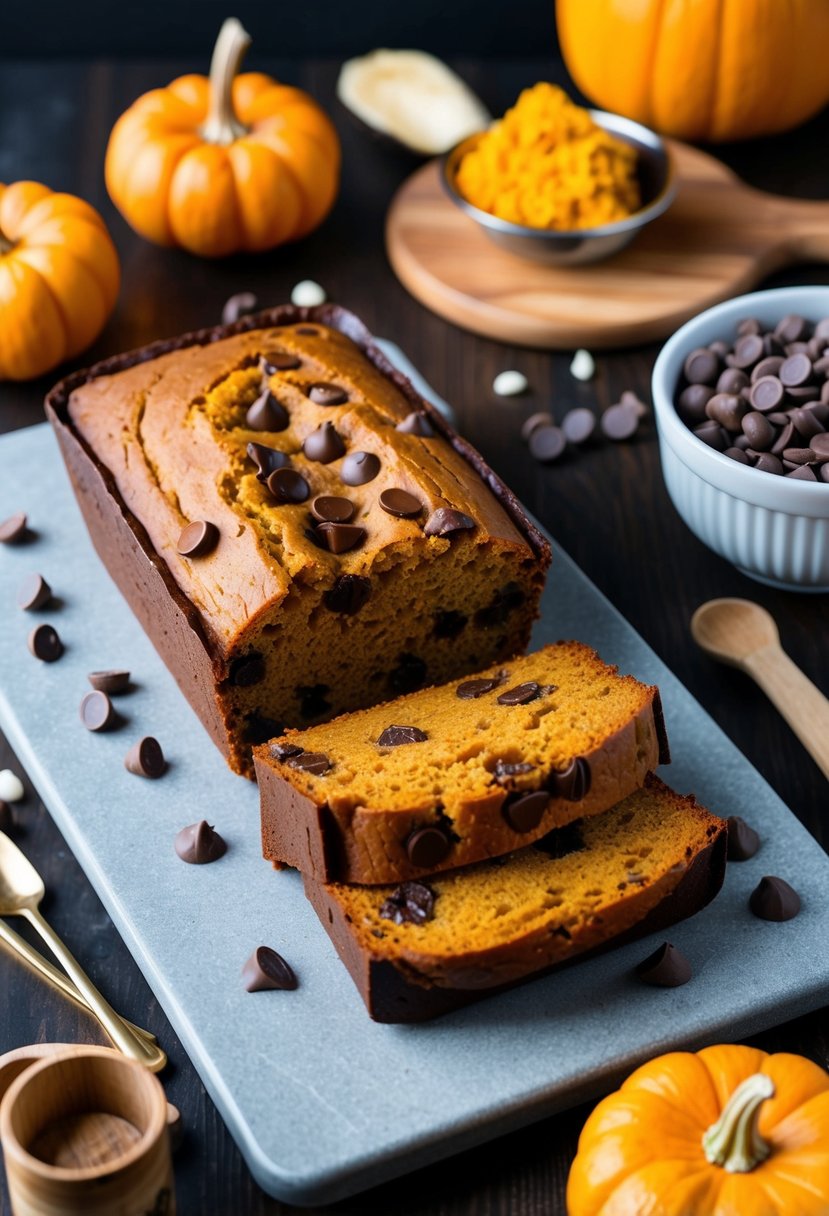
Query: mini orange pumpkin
x=226 y=164
x=730 y=1131
x=59 y=278
x=700 y=69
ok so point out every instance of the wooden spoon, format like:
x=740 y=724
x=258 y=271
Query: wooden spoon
x=744 y=635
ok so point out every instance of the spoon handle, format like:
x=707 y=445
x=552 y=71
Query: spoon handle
x=125 y=1039
x=34 y=959
x=804 y=706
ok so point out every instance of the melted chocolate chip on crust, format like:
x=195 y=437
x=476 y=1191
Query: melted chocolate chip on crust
x=397 y=736
x=521 y=694
x=279 y=361
x=427 y=847
x=315 y=763
x=288 y=486
x=267 y=414
x=411 y=903
x=504 y=771
x=327 y=394
x=284 y=751
x=198 y=539
x=416 y=423
x=358 y=468
x=523 y=812
x=400 y=503
x=267 y=460
x=341 y=538
x=470 y=690
x=573 y=782
x=324 y=444
x=445 y=520
x=330 y=508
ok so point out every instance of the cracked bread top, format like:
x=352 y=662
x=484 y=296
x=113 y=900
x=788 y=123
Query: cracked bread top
x=174 y=430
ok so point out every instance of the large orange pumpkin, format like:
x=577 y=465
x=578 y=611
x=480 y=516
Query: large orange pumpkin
x=225 y=164
x=730 y=1131
x=59 y=278
x=700 y=69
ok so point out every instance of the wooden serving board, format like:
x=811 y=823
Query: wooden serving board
x=718 y=238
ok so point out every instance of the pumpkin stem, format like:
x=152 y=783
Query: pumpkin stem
x=221 y=125
x=734 y=1141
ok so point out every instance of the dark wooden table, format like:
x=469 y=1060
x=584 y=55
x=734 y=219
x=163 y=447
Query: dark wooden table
x=609 y=508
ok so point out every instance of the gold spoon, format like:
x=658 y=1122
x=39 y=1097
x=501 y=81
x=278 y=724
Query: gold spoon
x=744 y=635
x=34 y=959
x=21 y=890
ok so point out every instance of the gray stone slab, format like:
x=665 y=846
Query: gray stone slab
x=321 y=1101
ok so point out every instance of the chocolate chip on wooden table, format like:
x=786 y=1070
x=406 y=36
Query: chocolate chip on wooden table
x=198 y=538
x=45 y=644
x=446 y=520
x=145 y=758
x=470 y=690
x=279 y=361
x=34 y=592
x=524 y=812
x=773 y=899
x=267 y=971
x=341 y=538
x=111 y=681
x=13 y=529
x=400 y=503
x=327 y=394
x=359 y=468
x=315 y=763
x=411 y=903
x=547 y=443
x=427 y=847
x=398 y=736
x=288 y=486
x=573 y=782
x=578 y=425
x=329 y=508
x=667 y=967
x=97 y=711
x=324 y=445
x=348 y=594
x=416 y=423
x=743 y=841
x=237 y=306
x=521 y=694
x=267 y=460
x=267 y=414
x=199 y=844
x=620 y=422
x=533 y=423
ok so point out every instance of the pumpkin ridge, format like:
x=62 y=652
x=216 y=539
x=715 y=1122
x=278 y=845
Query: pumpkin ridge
x=108 y=296
x=59 y=311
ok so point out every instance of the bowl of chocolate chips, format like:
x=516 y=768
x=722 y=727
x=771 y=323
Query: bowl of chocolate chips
x=741 y=401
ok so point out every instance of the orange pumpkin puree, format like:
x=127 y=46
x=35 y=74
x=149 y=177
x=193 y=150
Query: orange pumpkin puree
x=547 y=164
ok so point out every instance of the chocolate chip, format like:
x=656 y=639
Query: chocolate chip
x=324 y=444
x=315 y=763
x=524 y=812
x=416 y=423
x=279 y=361
x=504 y=771
x=619 y=422
x=804 y=394
x=785 y=438
x=743 y=841
x=13 y=529
x=247 y=670
x=397 y=736
x=769 y=366
x=341 y=538
x=795 y=371
x=449 y=624
x=712 y=434
x=34 y=592
x=719 y=347
x=288 y=486
x=97 y=711
x=328 y=508
x=199 y=843
x=749 y=325
x=572 y=783
x=771 y=346
x=427 y=847
x=45 y=644
x=773 y=899
x=804 y=473
x=349 y=593
x=533 y=423
x=267 y=971
x=727 y=410
x=547 y=443
x=767 y=394
x=758 y=430
x=737 y=454
x=267 y=460
x=692 y=402
x=327 y=394
x=521 y=694
x=702 y=366
x=470 y=690
x=806 y=423
x=732 y=380
x=307 y=331
x=358 y=468
x=237 y=306
x=560 y=842
x=409 y=675
x=578 y=425
x=769 y=463
x=446 y=520
x=820 y=446
x=113 y=681
x=411 y=903
x=632 y=401
x=198 y=539
x=284 y=751
x=747 y=351
x=798 y=455
x=400 y=503
x=667 y=967
x=267 y=414
x=145 y=758
x=791 y=328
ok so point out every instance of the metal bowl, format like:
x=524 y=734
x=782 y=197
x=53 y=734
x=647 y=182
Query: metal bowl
x=576 y=248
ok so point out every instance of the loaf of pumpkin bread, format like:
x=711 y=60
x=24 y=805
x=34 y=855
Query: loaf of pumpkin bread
x=429 y=946
x=453 y=774
x=296 y=529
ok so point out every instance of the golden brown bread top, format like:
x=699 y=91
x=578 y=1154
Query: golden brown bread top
x=172 y=432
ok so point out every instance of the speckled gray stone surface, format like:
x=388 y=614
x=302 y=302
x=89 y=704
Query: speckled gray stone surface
x=322 y=1101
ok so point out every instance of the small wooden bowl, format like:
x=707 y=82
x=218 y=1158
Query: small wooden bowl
x=84 y=1131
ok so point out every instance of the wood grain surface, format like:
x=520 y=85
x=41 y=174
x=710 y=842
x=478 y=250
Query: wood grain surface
x=609 y=508
x=718 y=238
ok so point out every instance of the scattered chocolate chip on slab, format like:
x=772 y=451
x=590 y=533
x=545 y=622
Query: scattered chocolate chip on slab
x=743 y=841
x=773 y=899
x=45 y=644
x=34 y=593
x=199 y=844
x=267 y=971
x=145 y=758
x=13 y=529
x=112 y=681
x=667 y=967
x=97 y=711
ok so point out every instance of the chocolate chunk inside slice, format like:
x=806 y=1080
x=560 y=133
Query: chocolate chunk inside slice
x=427 y=847
x=397 y=736
x=315 y=763
x=411 y=903
x=470 y=690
